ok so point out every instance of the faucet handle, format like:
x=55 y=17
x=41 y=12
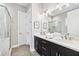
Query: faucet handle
x=66 y=35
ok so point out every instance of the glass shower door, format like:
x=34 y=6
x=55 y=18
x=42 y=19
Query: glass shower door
x=4 y=31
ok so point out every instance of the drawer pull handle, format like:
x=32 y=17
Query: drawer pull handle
x=44 y=48
x=44 y=42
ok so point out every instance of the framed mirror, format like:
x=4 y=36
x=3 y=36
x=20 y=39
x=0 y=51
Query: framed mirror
x=58 y=24
x=67 y=22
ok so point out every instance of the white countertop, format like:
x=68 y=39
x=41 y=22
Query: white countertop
x=71 y=44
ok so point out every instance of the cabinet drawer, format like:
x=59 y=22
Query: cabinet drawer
x=44 y=42
x=45 y=50
x=45 y=46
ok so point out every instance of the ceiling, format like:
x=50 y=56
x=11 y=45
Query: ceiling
x=24 y=4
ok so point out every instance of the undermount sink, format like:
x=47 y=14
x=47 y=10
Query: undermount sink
x=52 y=35
x=69 y=41
x=60 y=39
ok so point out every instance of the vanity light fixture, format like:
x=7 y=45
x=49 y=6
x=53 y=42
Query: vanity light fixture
x=61 y=6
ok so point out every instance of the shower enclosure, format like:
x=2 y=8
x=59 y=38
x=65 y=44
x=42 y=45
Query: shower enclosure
x=5 y=36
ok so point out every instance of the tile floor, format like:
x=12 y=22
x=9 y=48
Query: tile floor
x=23 y=50
x=34 y=53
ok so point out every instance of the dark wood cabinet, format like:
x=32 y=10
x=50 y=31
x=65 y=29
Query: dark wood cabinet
x=37 y=44
x=54 y=49
x=42 y=46
x=46 y=48
x=67 y=52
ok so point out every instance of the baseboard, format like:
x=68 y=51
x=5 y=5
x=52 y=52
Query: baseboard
x=32 y=49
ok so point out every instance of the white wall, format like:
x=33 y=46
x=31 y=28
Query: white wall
x=72 y=22
x=47 y=6
x=37 y=15
x=13 y=9
x=36 y=11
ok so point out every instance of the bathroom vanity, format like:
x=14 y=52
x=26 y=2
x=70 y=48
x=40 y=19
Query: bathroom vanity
x=54 y=47
x=65 y=22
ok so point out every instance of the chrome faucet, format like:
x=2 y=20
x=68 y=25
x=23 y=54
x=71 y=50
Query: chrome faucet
x=67 y=36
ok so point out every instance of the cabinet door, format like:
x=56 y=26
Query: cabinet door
x=54 y=49
x=37 y=45
x=67 y=52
